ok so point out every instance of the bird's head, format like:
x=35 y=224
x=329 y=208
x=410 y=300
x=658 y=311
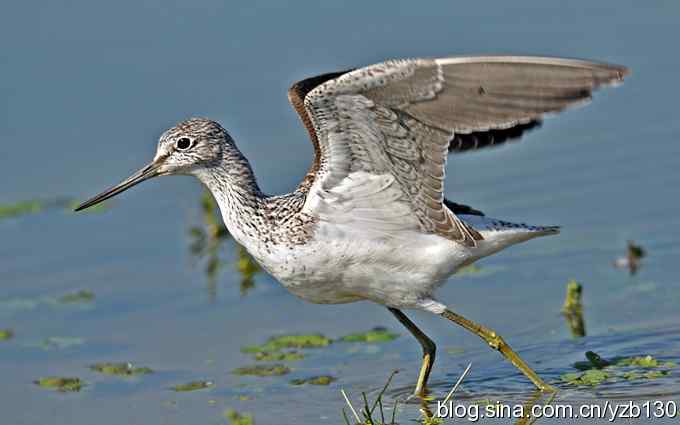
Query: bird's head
x=186 y=148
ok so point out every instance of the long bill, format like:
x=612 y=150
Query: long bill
x=149 y=171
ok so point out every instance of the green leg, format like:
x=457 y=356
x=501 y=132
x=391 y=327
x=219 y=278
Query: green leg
x=429 y=349
x=496 y=342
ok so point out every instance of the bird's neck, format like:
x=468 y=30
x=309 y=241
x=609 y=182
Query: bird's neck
x=233 y=185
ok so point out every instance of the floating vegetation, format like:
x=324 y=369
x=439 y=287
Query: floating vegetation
x=82 y=296
x=61 y=384
x=597 y=370
x=80 y=299
x=20 y=208
x=262 y=370
x=314 y=380
x=573 y=309
x=120 y=369
x=35 y=206
x=632 y=260
x=289 y=341
x=377 y=334
x=236 y=418
x=597 y=362
x=193 y=386
x=286 y=356
x=651 y=374
x=644 y=361
x=6 y=334
x=589 y=377
x=61 y=342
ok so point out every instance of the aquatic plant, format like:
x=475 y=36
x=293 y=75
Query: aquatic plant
x=20 y=208
x=276 y=356
x=597 y=370
x=289 y=341
x=236 y=418
x=82 y=296
x=377 y=334
x=193 y=386
x=262 y=370
x=314 y=380
x=120 y=369
x=61 y=342
x=573 y=309
x=35 y=206
x=60 y=383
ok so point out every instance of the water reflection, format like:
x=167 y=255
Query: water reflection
x=207 y=242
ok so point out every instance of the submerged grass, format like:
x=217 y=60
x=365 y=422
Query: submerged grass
x=6 y=334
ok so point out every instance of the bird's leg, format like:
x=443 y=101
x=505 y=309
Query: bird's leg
x=496 y=342
x=429 y=349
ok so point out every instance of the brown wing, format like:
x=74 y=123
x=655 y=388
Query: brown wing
x=296 y=97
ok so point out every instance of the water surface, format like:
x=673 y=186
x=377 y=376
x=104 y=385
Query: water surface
x=89 y=86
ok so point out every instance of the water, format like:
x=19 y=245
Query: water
x=87 y=89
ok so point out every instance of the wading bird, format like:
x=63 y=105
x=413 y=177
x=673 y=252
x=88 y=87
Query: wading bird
x=370 y=221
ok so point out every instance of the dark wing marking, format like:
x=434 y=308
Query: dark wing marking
x=461 y=209
x=296 y=97
x=483 y=139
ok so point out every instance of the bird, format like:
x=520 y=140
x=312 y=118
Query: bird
x=369 y=221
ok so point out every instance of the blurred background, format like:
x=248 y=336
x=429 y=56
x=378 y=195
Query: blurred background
x=150 y=278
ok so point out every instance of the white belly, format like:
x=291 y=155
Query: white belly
x=340 y=265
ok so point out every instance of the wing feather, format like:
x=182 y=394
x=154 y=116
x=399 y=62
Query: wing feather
x=397 y=121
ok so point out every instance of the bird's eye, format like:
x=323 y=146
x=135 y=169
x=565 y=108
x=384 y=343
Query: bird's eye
x=184 y=143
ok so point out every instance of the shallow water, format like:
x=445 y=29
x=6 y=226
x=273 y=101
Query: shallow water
x=88 y=88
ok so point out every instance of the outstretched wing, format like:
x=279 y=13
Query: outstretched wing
x=382 y=133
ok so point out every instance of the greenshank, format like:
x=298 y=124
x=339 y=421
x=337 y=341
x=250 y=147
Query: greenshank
x=370 y=221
